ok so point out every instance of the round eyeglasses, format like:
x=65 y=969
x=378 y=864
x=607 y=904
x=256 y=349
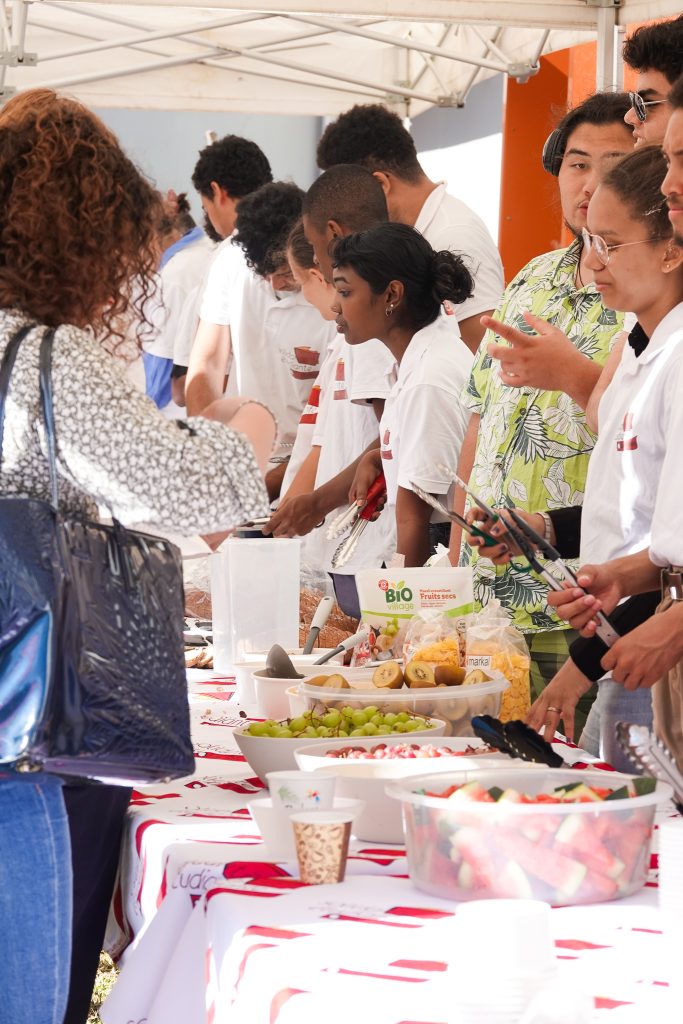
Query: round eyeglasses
x=602 y=250
x=640 y=105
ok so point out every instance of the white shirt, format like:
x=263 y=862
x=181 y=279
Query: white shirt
x=424 y=422
x=666 y=545
x=309 y=417
x=180 y=276
x=276 y=339
x=634 y=433
x=344 y=430
x=447 y=223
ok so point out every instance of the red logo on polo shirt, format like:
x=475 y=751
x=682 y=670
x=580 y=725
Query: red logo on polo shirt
x=305 y=365
x=386 y=452
x=310 y=413
x=340 y=392
x=627 y=441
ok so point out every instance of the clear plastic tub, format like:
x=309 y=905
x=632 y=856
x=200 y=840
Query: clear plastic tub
x=564 y=854
x=456 y=705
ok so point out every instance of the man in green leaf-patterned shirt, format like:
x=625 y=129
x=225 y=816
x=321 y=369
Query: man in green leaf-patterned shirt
x=526 y=447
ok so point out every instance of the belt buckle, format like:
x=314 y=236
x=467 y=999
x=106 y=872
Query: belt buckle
x=672 y=583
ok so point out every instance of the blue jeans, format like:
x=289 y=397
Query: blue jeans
x=613 y=704
x=35 y=901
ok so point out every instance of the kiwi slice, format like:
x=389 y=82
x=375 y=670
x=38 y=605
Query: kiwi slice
x=388 y=676
x=476 y=675
x=336 y=682
x=451 y=675
x=419 y=674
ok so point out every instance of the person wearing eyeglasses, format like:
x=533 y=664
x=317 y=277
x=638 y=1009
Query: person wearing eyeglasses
x=656 y=53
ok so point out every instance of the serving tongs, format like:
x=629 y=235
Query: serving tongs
x=454 y=516
x=530 y=543
x=651 y=756
x=516 y=739
x=359 y=516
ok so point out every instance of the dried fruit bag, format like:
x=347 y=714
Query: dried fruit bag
x=436 y=638
x=389 y=598
x=494 y=643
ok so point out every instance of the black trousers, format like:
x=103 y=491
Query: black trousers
x=96 y=814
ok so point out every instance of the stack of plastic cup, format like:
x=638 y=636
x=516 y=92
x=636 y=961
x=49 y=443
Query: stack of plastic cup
x=515 y=936
x=670 y=834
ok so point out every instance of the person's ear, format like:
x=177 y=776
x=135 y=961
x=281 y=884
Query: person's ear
x=334 y=231
x=672 y=258
x=393 y=295
x=384 y=179
x=317 y=274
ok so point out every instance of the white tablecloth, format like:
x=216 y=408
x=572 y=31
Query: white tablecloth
x=217 y=933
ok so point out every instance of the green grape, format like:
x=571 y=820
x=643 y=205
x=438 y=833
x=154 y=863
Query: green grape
x=332 y=719
x=358 y=718
x=284 y=734
x=258 y=729
x=370 y=712
x=356 y=732
x=370 y=729
x=298 y=724
x=384 y=730
x=389 y=718
x=347 y=712
x=402 y=716
x=400 y=727
x=322 y=730
x=343 y=732
x=311 y=731
x=413 y=725
x=272 y=730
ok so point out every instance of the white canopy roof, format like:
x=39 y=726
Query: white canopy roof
x=296 y=56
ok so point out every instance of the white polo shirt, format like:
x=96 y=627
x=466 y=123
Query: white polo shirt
x=277 y=339
x=344 y=430
x=178 y=278
x=447 y=223
x=636 y=436
x=424 y=421
x=308 y=420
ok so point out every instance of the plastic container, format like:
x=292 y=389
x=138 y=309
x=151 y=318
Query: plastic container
x=564 y=854
x=456 y=705
x=380 y=821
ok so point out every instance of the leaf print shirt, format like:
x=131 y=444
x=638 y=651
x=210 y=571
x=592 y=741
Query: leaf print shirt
x=533 y=446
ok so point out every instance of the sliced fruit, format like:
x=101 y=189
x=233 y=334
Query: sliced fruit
x=336 y=682
x=316 y=681
x=451 y=675
x=388 y=676
x=419 y=674
x=476 y=675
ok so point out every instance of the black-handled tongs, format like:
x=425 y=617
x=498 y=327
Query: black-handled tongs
x=529 y=543
x=516 y=739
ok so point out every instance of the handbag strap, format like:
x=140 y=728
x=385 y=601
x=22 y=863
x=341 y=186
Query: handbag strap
x=45 y=362
x=6 y=367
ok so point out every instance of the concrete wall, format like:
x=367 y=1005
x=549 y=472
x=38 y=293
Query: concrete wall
x=165 y=143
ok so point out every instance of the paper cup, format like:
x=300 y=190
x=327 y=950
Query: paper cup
x=513 y=934
x=301 y=791
x=322 y=844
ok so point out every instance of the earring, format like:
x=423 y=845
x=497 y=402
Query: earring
x=389 y=310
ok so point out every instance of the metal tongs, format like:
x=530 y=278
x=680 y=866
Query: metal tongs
x=529 y=543
x=454 y=516
x=357 y=517
x=516 y=739
x=652 y=757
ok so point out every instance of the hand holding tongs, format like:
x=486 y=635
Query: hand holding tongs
x=529 y=543
x=455 y=517
x=360 y=516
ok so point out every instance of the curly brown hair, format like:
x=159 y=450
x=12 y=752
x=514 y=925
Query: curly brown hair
x=77 y=219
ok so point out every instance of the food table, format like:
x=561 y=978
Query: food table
x=217 y=933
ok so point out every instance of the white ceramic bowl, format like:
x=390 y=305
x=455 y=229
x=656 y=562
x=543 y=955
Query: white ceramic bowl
x=273 y=754
x=276 y=829
x=255 y=662
x=270 y=692
x=380 y=821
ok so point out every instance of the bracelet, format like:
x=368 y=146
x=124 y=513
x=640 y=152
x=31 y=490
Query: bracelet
x=547 y=526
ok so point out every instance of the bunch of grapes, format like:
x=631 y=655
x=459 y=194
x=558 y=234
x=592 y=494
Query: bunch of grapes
x=342 y=722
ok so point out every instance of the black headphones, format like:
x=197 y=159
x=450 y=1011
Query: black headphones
x=553 y=151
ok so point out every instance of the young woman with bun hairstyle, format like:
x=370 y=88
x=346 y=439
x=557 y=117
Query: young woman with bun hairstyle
x=393 y=286
x=78 y=252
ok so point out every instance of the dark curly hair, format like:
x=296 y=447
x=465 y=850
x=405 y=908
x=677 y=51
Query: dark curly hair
x=238 y=165
x=348 y=194
x=264 y=221
x=77 y=219
x=397 y=252
x=372 y=136
x=657 y=47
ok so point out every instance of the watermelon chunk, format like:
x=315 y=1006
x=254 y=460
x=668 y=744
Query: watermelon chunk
x=562 y=873
x=576 y=835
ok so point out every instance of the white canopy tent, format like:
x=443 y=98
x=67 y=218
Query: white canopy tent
x=297 y=56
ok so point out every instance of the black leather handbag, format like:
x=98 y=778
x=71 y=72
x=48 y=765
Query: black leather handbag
x=92 y=672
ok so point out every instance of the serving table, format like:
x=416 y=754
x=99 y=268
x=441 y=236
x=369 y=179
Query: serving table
x=209 y=930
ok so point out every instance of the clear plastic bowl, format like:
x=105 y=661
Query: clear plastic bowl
x=456 y=705
x=564 y=854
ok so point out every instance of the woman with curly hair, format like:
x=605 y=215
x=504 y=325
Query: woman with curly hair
x=77 y=253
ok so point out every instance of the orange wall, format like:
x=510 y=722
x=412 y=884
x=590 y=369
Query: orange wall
x=530 y=215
